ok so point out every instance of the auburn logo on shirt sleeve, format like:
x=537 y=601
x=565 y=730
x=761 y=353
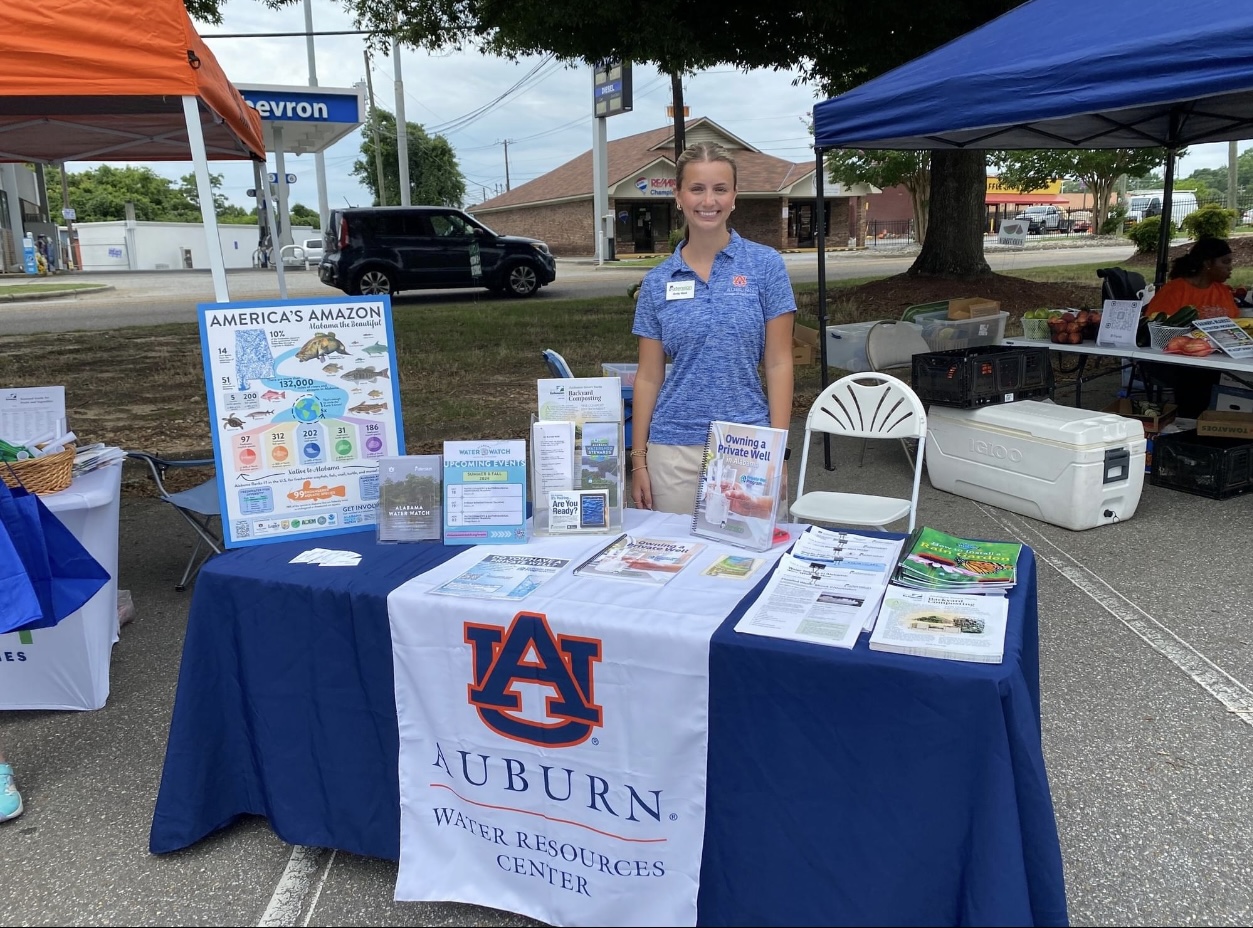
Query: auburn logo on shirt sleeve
x=531 y=685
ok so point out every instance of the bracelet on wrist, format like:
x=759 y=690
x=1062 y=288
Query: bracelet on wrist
x=639 y=452
x=641 y=467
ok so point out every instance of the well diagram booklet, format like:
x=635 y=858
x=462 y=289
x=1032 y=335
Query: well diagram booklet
x=303 y=403
x=485 y=492
x=741 y=475
x=645 y=560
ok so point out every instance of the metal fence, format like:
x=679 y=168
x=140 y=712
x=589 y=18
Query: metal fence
x=889 y=232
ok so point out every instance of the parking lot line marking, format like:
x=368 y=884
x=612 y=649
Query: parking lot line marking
x=288 y=899
x=1232 y=694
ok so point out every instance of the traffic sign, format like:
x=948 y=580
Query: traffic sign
x=291 y=178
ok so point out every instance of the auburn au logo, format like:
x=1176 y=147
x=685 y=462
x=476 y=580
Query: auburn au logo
x=529 y=653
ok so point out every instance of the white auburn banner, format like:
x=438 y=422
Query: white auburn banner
x=553 y=750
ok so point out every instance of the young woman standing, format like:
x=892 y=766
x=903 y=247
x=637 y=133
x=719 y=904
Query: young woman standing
x=721 y=308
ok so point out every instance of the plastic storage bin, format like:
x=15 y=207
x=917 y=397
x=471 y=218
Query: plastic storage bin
x=1201 y=464
x=944 y=334
x=846 y=345
x=972 y=377
x=1070 y=467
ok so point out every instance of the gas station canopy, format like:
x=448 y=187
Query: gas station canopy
x=309 y=119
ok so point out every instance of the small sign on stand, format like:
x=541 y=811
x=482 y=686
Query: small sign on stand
x=1119 y=321
x=1012 y=232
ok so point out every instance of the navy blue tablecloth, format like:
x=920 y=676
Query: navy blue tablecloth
x=845 y=787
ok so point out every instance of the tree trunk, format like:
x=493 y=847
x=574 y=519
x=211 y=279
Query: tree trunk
x=1100 y=188
x=919 y=187
x=953 y=246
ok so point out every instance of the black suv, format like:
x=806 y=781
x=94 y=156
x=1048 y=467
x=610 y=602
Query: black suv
x=386 y=249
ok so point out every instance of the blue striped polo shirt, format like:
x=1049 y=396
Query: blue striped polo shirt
x=717 y=339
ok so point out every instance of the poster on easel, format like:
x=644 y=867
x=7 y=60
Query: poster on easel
x=303 y=403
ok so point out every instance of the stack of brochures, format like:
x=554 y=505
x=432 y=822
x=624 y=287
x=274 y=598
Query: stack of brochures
x=934 y=560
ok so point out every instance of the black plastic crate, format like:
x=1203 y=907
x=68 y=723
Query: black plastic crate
x=982 y=376
x=1202 y=464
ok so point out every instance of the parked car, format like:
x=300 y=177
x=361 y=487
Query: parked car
x=305 y=252
x=1044 y=219
x=388 y=249
x=1147 y=205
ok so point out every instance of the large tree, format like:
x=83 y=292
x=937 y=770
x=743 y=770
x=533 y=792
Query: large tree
x=435 y=178
x=101 y=195
x=1099 y=170
x=835 y=44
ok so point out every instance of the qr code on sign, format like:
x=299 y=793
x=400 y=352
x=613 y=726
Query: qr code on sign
x=243 y=529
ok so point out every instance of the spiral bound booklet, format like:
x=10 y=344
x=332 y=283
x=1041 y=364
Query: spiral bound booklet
x=737 y=500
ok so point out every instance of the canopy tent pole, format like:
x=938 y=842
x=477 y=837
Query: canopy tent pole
x=263 y=185
x=204 y=191
x=1168 y=202
x=820 y=241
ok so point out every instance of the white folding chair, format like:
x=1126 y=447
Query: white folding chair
x=890 y=348
x=199 y=506
x=557 y=365
x=863 y=405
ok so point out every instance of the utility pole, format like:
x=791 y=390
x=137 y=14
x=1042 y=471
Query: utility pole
x=1232 y=158
x=506 y=165
x=402 y=127
x=374 y=125
x=76 y=259
x=319 y=160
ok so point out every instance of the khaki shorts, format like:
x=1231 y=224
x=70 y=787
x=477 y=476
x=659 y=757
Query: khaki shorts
x=674 y=474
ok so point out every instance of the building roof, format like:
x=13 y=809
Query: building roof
x=758 y=173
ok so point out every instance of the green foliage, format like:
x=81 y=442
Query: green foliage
x=1114 y=220
x=302 y=215
x=435 y=178
x=1210 y=221
x=101 y=194
x=676 y=236
x=1145 y=233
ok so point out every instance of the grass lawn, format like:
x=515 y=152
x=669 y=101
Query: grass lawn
x=27 y=289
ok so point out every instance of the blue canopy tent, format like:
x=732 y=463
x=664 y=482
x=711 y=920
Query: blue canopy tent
x=1118 y=74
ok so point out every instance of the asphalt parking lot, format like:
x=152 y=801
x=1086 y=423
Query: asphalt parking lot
x=1146 y=665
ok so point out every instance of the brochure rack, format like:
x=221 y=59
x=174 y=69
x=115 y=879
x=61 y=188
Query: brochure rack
x=578 y=470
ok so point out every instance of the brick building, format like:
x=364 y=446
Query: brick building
x=775 y=204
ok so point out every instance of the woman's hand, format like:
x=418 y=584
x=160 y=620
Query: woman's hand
x=641 y=488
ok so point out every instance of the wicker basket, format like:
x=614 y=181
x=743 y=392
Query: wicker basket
x=1160 y=335
x=48 y=474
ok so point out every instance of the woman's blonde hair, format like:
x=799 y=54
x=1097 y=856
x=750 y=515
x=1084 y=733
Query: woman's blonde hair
x=704 y=151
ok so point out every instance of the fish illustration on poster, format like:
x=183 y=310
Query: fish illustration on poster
x=296 y=439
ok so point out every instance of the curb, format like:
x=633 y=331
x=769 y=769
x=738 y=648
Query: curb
x=49 y=294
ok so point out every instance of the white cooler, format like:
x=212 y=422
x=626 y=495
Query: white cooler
x=1071 y=467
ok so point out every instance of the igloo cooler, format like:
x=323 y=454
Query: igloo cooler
x=1071 y=467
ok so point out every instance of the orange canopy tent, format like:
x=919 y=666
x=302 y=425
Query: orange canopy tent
x=119 y=80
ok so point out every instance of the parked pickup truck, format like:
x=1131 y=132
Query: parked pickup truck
x=1045 y=219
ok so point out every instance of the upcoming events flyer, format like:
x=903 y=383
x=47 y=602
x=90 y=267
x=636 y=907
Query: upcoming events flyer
x=303 y=403
x=485 y=492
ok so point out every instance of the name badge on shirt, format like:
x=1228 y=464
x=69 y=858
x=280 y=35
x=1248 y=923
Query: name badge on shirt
x=680 y=289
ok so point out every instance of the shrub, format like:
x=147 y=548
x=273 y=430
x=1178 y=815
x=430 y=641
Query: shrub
x=1144 y=233
x=676 y=236
x=1210 y=221
x=1113 y=220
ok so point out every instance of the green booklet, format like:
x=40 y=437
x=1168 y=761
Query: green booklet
x=935 y=560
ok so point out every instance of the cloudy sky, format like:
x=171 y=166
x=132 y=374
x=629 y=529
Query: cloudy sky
x=547 y=119
x=477 y=102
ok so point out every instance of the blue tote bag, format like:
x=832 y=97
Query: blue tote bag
x=18 y=603
x=62 y=573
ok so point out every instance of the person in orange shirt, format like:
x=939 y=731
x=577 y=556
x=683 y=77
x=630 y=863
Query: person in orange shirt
x=1198 y=278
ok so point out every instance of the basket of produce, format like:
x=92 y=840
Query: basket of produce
x=1035 y=323
x=48 y=474
x=1073 y=326
x=1160 y=335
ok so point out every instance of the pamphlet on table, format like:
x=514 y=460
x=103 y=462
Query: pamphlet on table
x=503 y=576
x=741 y=475
x=411 y=498
x=826 y=590
x=1228 y=337
x=303 y=402
x=935 y=560
x=485 y=492
x=29 y=413
x=644 y=560
x=954 y=626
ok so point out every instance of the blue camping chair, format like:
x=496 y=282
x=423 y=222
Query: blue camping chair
x=198 y=506
x=556 y=363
